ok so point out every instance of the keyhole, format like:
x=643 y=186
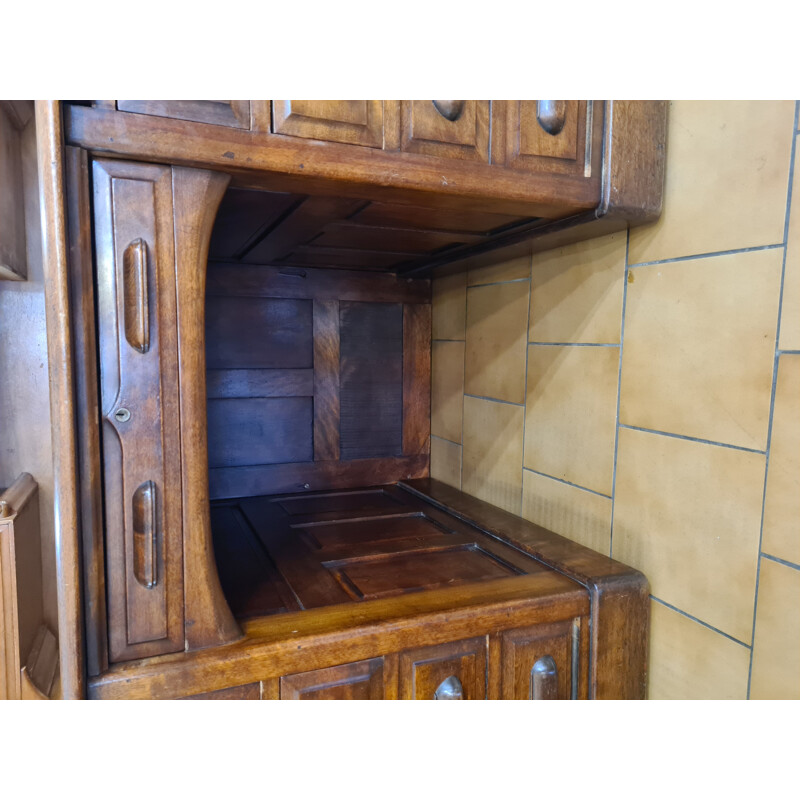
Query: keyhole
x=122 y=415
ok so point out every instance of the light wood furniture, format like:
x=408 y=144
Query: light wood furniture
x=247 y=356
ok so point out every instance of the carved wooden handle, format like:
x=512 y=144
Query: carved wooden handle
x=136 y=307
x=144 y=535
x=449 y=689
x=544 y=679
x=551 y=115
x=449 y=109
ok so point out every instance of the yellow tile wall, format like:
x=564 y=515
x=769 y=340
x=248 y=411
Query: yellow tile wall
x=640 y=394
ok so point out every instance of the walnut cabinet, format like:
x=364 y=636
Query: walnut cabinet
x=249 y=348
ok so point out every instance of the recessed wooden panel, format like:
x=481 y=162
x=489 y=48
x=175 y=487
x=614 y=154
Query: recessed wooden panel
x=354 y=236
x=417 y=530
x=259 y=430
x=443 y=219
x=360 y=681
x=371 y=380
x=139 y=393
x=423 y=670
x=523 y=648
x=222 y=383
x=232 y=113
x=346 y=503
x=399 y=573
x=428 y=132
x=250 y=691
x=347 y=121
x=243 y=332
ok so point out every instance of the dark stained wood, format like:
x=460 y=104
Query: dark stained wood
x=49 y=146
x=236 y=280
x=197 y=195
x=441 y=219
x=354 y=236
x=416 y=379
x=223 y=383
x=248 y=333
x=87 y=408
x=371 y=380
x=134 y=202
x=360 y=681
x=326 y=380
x=423 y=670
x=233 y=113
x=620 y=594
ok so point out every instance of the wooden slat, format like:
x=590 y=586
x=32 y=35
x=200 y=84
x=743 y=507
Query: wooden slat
x=223 y=383
x=326 y=380
x=279 y=478
x=226 y=279
x=416 y=379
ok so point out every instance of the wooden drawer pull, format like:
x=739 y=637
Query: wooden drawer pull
x=551 y=115
x=144 y=535
x=449 y=109
x=544 y=679
x=134 y=276
x=449 y=689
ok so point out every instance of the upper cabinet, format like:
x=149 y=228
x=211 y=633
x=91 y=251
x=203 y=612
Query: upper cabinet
x=558 y=170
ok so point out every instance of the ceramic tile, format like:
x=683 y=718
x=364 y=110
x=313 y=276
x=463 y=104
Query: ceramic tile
x=790 y=313
x=492 y=453
x=449 y=312
x=510 y=270
x=700 y=345
x=497 y=322
x=446 y=461
x=776 y=649
x=688 y=515
x=691 y=662
x=726 y=179
x=570 y=422
x=576 y=292
x=575 y=513
x=447 y=389
x=781 y=535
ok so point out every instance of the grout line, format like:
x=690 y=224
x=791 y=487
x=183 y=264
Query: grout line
x=497 y=283
x=493 y=400
x=783 y=561
x=573 y=344
x=704 y=624
x=619 y=395
x=776 y=363
x=527 y=359
x=569 y=483
x=692 y=439
x=789 y=352
x=698 y=256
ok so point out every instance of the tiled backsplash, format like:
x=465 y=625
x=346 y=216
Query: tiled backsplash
x=641 y=394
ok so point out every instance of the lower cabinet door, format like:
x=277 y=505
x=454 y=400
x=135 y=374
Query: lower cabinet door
x=543 y=662
x=362 y=680
x=452 y=671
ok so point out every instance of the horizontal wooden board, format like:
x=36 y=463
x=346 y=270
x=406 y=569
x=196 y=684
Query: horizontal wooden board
x=247 y=332
x=258 y=430
x=222 y=383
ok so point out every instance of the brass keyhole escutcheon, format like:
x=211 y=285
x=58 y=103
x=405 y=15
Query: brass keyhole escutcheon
x=122 y=415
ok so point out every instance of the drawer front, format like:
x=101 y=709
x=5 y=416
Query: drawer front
x=546 y=136
x=544 y=662
x=362 y=680
x=137 y=338
x=231 y=113
x=446 y=128
x=347 y=121
x=452 y=671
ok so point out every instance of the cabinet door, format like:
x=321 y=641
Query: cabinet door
x=544 y=136
x=446 y=128
x=362 y=680
x=543 y=662
x=138 y=349
x=231 y=113
x=347 y=121
x=452 y=671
